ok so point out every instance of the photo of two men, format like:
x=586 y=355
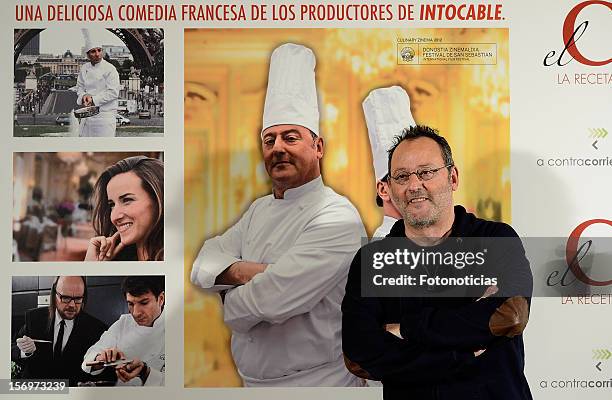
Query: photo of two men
x=90 y=331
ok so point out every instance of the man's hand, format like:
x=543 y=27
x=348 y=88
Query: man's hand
x=129 y=371
x=108 y=355
x=87 y=100
x=510 y=319
x=240 y=273
x=394 y=329
x=26 y=345
x=491 y=290
x=356 y=369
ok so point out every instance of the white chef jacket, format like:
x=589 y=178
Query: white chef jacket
x=101 y=81
x=144 y=342
x=286 y=322
x=384 y=229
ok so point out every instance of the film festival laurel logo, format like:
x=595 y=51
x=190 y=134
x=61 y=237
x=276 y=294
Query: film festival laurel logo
x=434 y=51
x=407 y=54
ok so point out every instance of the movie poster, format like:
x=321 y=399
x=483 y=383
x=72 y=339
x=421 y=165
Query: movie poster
x=140 y=165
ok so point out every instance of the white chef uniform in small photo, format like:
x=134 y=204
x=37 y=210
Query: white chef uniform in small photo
x=387 y=113
x=145 y=342
x=286 y=322
x=101 y=82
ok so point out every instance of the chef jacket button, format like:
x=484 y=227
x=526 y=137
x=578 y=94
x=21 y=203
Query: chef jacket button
x=250 y=339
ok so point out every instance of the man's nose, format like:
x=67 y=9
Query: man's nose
x=279 y=145
x=414 y=183
x=138 y=310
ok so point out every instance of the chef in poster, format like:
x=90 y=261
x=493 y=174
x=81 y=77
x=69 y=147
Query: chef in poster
x=286 y=260
x=97 y=86
x=387 y=113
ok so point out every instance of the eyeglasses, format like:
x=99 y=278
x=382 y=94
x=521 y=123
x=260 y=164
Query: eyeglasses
x=423 y=174
x=68 y=299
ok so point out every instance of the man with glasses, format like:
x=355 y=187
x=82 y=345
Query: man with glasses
x=445 y=347
x=54 y=339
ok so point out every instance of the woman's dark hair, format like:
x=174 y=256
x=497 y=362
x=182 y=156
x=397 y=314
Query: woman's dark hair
x=151 y=174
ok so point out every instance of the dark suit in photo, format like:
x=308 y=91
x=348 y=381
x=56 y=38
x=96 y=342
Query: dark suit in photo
x=85 y=332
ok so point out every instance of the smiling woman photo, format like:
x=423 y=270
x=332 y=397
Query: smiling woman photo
x=128 y=215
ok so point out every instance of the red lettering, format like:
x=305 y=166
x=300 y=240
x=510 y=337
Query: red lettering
x=571 y=252
x=568 y=31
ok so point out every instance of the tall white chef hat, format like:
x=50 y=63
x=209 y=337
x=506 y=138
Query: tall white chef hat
x=387 y=113
x=89 y=43
x=291 y=98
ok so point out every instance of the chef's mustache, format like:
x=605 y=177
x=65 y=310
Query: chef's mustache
x=281 y=159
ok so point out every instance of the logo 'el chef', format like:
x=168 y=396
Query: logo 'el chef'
x=572 y=250
x=571 y=36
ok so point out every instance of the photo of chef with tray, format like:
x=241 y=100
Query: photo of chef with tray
x=88 y=82
x=97 y=92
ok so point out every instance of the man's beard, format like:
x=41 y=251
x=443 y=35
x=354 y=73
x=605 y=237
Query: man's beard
x=427 y=220
x=424 y=222
x=63 y=313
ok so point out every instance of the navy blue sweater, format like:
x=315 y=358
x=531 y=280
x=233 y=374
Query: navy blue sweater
x=435 y=357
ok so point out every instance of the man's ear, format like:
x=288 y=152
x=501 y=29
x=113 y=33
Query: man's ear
x=161 y=298
x=454 y=178
x=382 y=189
x=319 y=146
